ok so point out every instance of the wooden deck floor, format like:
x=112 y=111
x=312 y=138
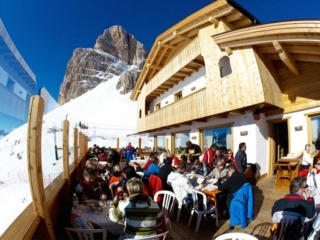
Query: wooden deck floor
x=265 y=196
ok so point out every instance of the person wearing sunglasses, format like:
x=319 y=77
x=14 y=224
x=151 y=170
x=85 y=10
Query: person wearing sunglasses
x=299 y=201
x=230 y=158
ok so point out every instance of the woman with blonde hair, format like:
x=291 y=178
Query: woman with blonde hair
x=116 y=175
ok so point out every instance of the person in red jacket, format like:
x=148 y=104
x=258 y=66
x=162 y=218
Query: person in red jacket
x=89 y=186
x=129 y=147
x=208 y=156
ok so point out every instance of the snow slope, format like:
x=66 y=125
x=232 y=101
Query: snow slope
x=108 y=115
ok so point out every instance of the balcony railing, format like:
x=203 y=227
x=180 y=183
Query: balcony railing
x=186 y=109
x=190 y=52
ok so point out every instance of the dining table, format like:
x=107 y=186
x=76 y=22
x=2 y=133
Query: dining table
x=101 y=219
x=97 y=218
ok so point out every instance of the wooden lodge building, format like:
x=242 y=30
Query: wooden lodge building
x=218 y=76
x=211 y=75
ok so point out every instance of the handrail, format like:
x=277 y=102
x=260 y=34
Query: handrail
x=27 y=223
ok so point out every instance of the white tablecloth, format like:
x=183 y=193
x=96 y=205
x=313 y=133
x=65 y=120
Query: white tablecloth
x=99 y=218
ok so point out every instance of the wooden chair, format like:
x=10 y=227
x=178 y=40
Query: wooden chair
x=112 y=190
x=196 y=209
x=156 y=237
x=85 y=234
x=236 y=236
x=168 y=201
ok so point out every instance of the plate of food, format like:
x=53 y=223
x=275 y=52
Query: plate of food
x=96 y=206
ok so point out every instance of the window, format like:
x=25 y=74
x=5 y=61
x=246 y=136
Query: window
x=225 y=67
x=315 y=134
x=157 y=107
x=180 y=140
x=140 y=113
x=178 y=96
x=221 y=136
x=161 y=143
x=10 y=84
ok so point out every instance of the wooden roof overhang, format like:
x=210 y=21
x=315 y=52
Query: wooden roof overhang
x=166 y=44
x=287 y=41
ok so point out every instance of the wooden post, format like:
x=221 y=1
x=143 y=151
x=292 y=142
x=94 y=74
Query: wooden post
x=81 y=149
x=139 y=144
x=118 y=144
x=86 y=146
x=35 y=163
x=75 y=145
x=65 y=147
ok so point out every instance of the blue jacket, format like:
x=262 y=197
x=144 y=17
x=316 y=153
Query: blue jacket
x=242 y=206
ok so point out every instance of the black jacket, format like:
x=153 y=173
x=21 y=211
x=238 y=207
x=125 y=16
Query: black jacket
x=233 y=183
x=295 y=203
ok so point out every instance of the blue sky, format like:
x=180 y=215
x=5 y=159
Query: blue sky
x=46 y=32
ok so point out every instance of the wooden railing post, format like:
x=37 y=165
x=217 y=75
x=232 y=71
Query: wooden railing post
x=86 y=144
x=118 y=144
x=75 y=147
x=81 y=149
x=139 y=145
x=65 y=147
x=35 y=163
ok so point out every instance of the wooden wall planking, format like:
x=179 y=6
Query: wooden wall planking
x=186 y=109
x=271 y=90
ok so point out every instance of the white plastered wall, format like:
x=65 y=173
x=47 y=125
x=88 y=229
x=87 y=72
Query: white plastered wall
x=197 y=80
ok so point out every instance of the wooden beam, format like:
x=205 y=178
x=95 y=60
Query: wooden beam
x=234 y=17
x=174 y=79
x=191 y=68
x=65 y=146
x=175 y=125
x=269 y=109
x=243 y=23
x=293 y=49
x=267 y=40
x=221 y=115
x=286 y=58
x=35 y=164
x=186 y=123
x=228 y=50
x=195 y=61
x=200 y=22
x=201 y=120
x=237 y=112
x=177 y=34
x=160 y=43
x=151 y=66
x=213 y=20
x=183 y=74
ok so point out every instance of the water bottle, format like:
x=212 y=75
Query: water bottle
x=75 y=201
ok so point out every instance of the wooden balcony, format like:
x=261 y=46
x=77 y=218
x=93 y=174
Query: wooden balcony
x=179 y=67
x=186 y=109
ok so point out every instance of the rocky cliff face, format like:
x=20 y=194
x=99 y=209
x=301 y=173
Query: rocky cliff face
x=116 y=52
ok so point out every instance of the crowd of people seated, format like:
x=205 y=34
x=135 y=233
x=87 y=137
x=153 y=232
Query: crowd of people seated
x=161 y=171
